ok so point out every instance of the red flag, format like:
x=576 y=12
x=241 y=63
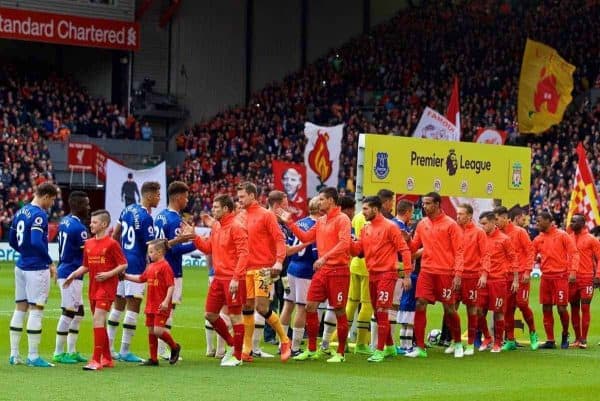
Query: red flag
x=490 y=136
x=453 y=111
x=291 y=179
x=584 y=197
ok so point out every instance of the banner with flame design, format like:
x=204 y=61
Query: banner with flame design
x=322 y=156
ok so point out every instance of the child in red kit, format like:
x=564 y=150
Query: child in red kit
x=160 y=285
x=104 y=260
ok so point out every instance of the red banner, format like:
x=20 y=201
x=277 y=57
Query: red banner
x=89 y=158
x=291 y=179
x=68 y=29
x=490 y=136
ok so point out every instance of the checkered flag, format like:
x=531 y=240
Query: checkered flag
x=584 y=197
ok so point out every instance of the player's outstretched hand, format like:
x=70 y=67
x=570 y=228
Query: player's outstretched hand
x=283 y=215
x=187 y=232
x=207 y=219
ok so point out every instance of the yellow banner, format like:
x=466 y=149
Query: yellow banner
x=545 y=88
x=462 y=169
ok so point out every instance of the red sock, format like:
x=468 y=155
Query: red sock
x=472 y=327
x=528 y=316
x=483 y=327
x=420 y=323
x=498 y=332
x=238 y=340
x=99 y=334
x=453 y=322
x=383 y=329
x=166 y=337
x=221 y=328
x=509 y=324
x=585 y=320
x=564 y=320
x=106 y=348
x=549 y=324
x=312 y=329
x=576 y=319
x=342 y=329
x=153 y=343
x=389 y=339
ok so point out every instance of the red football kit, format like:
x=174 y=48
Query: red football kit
x=99 y=256
x=159 y=277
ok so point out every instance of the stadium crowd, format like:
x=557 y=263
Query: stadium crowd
x=380 y=83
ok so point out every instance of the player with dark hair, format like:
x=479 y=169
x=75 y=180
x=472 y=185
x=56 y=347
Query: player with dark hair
x=72 y=235
x=29 y=236
x=559 y=264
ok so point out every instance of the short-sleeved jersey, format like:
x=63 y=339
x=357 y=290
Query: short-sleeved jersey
x=29 y=222
x=167 y=226
x=137 y=228
x=72 y=235
x=301 y=263
x=102 y=255
x=159 y=277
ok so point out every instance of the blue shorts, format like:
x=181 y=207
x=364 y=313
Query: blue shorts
x=408 y=301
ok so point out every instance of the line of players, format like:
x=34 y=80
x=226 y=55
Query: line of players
x=248 y=251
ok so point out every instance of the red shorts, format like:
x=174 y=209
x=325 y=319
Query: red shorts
x=381 y=289
x=100 y=304
x=156 y=319
x=435 y=287
x=468 y=291
x=521 y=297
x=493 y=296
x=331 y=285
x=554 y=290
x=219 y=295
x=582 y=289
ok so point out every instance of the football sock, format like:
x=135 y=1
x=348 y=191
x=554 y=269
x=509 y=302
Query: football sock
x=113 y=324
x=221 y=328
x=329 y=325
x=273 y=321
x=153 y=343
x=34 y=332
x=585 y=320
x=312 y=329
x=406 y=336
x=168 y=338
x=248 y=317
x=576 y=320
x=99 y=333
x=564 y=320
x=129 y=326
x=549 y=324
x=105 y=347
x=221 y=343
x=342 y=327
x=16 y=330
x=483 y=326
x=363 y=324
x=238 y=340
x=453 y=322
x=528 y=317
x=162 y=346
x=420 y=323
x=209 y=334
x=392 y=315
x=62 y=331
x=383 y=329
x=73 y=334
x=472 y=327
x=297 y=335
x=259 y=331
x=374 y=333
x=498 y=332
x=509 y=324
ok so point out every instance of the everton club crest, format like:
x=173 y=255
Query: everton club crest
x=382 y=168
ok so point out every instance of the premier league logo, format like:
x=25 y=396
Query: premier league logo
x=381 y=168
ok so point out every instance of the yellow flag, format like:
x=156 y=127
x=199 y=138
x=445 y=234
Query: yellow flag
x=545 y=88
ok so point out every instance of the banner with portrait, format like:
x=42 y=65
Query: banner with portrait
x=291 y=179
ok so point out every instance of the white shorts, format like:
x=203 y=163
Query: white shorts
x=71 y=297
x=128 y=288
x=177 y=291
x=32 y=286
x=398 y=290
x=298 y=290
x=406 y=317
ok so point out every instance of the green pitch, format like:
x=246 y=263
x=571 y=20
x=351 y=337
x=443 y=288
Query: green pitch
x=518 y=375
